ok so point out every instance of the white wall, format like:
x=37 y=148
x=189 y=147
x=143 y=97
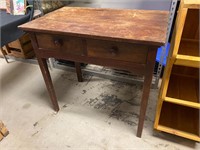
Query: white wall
x=131 y=4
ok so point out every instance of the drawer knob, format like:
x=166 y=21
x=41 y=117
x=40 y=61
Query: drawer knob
x=113 y=50
x=58 y=42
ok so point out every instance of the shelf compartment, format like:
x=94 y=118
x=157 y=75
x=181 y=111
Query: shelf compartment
x=191 y=25
x=179 y=120
x=189 y=47
x=184 y=86
x=179 y=133
x=188 y=54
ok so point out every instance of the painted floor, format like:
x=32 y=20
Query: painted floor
x=98 y=114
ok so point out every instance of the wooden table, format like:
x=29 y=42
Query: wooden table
x=123 y=39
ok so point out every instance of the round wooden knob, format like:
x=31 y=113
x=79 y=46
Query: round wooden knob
x=58 y=42
x=114 y=50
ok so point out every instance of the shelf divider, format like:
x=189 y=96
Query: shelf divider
x=186 y=60
x=179 y=133
x=182 y=102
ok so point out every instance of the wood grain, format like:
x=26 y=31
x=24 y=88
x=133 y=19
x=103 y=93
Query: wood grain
x=122 y=25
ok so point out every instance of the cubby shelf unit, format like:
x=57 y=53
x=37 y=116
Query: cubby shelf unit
x=178 y=108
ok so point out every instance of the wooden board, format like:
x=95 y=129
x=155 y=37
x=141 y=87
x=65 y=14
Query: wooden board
x=189 y=61
x=135 y=26
x=23 y=44
x=195 y=4
x=179 y=133
x=184 y=86
x=189 y=47
x=182 y=102
x=188 y=54
x=3 y=129
x=179 y=117
x=191 y=26
x=185 y=71
x=1 y=136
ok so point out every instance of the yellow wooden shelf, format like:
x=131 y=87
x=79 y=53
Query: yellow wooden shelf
x=184 y=86
x=194 y=4
x=179 y=133
x=180 y=120
x=178 y=108
x=188 y=54
x=189 y=47
x=186 y=60
x=182 y=102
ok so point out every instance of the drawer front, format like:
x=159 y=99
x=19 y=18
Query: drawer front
x=117 y=51
x=65 y=44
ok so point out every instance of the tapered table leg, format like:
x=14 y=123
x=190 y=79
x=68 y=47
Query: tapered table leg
x=146 y=88
x=78 y=71
x=47 y=78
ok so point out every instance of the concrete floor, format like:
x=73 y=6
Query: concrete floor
x=95 y=114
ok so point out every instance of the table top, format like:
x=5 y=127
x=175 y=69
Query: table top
x=135 y=26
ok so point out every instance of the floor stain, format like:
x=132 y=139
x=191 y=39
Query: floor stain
x=132 y=102
x=92 y=101
x=127 y=117
x=35 y=124
x=26 y=106
x=68 y=146
x=107 y=102
x=84 y=91
x=64 y=106
x=111 y=103
x=116 y=84
x=162 y=145
x=35 y=133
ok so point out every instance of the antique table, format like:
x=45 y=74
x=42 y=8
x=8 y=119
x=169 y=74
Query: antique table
x=124 y=39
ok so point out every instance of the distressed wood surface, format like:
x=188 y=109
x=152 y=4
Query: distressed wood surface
x=141 y=26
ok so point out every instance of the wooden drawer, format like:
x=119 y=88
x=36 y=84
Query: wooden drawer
x=117 y=51
x=64 y=44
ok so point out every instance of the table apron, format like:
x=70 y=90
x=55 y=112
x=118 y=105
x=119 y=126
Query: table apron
x=135 y=68
x=120 y=55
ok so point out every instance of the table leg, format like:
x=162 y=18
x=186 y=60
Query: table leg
x=47 y=78
x=78 y=71
x=146 y=89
